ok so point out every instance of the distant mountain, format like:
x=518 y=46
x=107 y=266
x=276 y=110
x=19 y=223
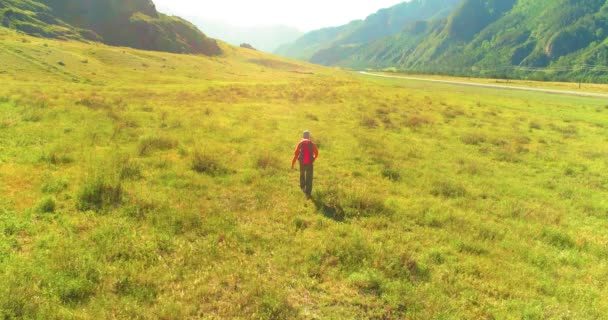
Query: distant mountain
x=542 y=39
x=265 y=38
x=131 y=23
x=336 y=42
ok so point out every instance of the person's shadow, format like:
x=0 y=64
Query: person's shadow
x=335 y=213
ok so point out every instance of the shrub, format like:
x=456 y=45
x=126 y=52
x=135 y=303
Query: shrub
x=99 y=194
x=148 y=145
x=46 y=205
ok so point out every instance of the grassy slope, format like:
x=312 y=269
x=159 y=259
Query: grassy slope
x=432 y=201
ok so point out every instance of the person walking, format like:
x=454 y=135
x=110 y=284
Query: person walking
x=306 y=153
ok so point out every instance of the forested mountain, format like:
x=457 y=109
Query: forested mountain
x=131 y=23
x=545 y=39
x=344 y=39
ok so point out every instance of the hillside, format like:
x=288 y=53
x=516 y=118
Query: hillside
x=565 y=39
x=344 y=39
x=265 y=38
x=142 y=184
x=132 y=23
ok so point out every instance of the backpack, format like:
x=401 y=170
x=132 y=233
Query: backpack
x=304 y=147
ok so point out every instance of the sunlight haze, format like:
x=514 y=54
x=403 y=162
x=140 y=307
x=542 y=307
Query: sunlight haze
x=305 y=15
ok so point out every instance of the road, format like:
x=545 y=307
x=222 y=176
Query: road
x=493 y=86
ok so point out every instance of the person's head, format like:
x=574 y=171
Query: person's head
x=306 y=134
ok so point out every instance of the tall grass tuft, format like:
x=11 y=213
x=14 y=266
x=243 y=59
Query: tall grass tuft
x=268 y=162
x=148 y=145
x=340 y=203
x=99 y=194
x=203 y=162
x=46 y=205
x=448 y=189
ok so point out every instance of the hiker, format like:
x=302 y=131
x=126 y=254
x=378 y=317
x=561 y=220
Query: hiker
x=307 y=153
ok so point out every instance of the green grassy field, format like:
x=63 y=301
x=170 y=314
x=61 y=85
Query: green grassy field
x=148 y=185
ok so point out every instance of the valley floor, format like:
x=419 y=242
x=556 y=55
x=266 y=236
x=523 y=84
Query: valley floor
x=148 y=185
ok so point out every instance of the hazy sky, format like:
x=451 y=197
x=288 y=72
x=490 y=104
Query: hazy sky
x=303 y=14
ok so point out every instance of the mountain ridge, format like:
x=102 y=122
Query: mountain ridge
x=543 y=39
x=383 y=23
x=131 y=23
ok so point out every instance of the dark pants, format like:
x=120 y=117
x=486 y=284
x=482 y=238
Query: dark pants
x=306 y=173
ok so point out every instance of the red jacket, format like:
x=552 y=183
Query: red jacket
x=303 y=146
